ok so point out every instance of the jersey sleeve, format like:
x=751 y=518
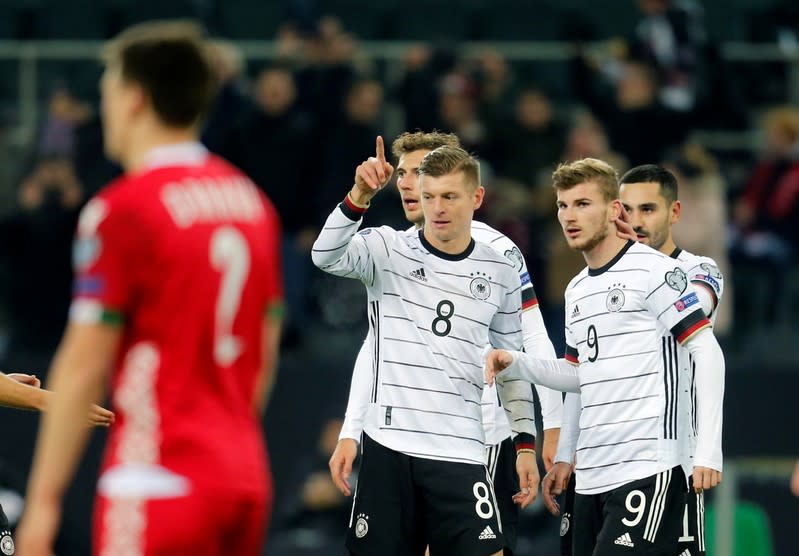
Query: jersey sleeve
x=106 y=254
x=358 y=402
x=516 y=395
x=343 y=251
x=512 y=252
x=570 y=354
x=673 y=300
x=704 y=273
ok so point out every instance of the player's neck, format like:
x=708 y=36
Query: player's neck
x=148 y=139
x=455 y=246
x=605 y=250
x=668 y=247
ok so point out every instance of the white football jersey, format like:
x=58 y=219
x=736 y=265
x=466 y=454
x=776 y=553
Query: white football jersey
x=623 y=324
x=431 y=314
x=495 y=422
x=702 y=272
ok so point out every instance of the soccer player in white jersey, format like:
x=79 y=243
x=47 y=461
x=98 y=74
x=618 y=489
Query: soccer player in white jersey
x=623 y=314
x=649 y=193
x=436 y=299
x=502 y=451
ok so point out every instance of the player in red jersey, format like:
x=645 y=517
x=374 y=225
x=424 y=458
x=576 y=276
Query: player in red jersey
x=178 y=298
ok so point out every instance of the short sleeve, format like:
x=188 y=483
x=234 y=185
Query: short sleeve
x=707 y=274
x=672 y=299
x=104 y=260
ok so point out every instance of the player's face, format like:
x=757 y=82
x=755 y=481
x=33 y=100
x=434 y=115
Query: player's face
x=117 y=101
x=448 y=204
x=585 y=215
x=650 y=214
x=408 y=185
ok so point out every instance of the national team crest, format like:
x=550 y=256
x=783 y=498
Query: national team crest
x=677 y=280
x=711 y=270
x=480 y=288
x=564 y=525
x=7 y=545
x=362 y=526
x=615 y=300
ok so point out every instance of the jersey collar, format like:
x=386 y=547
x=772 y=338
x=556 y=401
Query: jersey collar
x=675 y=253
x=446 y=256
x=190 y=153
x=611 y=262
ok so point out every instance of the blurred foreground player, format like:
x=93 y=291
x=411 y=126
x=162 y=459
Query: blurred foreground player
x=178 y=299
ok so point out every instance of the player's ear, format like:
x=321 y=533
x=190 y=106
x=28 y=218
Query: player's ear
x=479 y=195
x=675 y=212
x=614 y=210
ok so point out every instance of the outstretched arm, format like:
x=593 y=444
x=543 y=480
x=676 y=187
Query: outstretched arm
x=557 y=374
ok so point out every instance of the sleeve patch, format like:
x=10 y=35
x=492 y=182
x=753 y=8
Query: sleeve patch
x=709 y=280
x=687 y=301
x=571 y=355
x=525 y=276
x=677 y=279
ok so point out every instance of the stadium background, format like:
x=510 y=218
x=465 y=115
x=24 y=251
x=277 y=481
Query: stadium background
x=307 y=84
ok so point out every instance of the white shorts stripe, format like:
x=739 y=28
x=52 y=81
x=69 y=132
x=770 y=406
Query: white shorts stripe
x=658 y=505
x=700 y=520
x=494 y=500
x=124 y=527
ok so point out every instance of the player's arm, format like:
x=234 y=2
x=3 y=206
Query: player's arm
x=516 y=396
x=16 y=394
x=675 y=303
x=77 y=377
x=271 y=330
x=709 y=284
x=709 y=360
x=338 y=250
x=346 y=451
x=558 y=374
x=570 y=429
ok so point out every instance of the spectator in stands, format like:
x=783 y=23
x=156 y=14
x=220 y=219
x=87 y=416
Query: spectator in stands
x=766 y=214
x=639 y=125
x=270 y=144
x=64 y=114
x=531 y=142
x=231 y=103
x=457 y=108
x=775 y=23
x=703 y=223
x=346 y=141
x=37 y=259
x=418 y=89
x=669 y=37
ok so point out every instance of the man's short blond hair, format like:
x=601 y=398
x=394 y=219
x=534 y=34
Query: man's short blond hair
x=421 y=140
x=570 y=174
x=449 y=160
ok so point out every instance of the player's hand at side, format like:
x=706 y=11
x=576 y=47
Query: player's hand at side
x=705 y=478
x=497 y=361
x=372 y=174
x=23 y=378
x=555 y=482
x=341 y=464
x=529 y=479
x=623 y=227
x=100 y=417
x=550 y=449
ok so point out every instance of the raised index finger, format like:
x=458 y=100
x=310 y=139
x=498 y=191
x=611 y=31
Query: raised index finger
x=380 y=152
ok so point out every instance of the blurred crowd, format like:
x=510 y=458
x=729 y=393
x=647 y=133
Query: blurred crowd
x=300 y=124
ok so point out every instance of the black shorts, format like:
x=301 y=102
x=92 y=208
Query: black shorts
x=404 y=503
x=692 y=532
x=567 y=519
x=641 y=517
x=501 y=462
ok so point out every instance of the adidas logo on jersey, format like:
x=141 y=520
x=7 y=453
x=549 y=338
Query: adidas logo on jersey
x=419 y=275
x=487 y=534
x=625 y=540
x=576 y=312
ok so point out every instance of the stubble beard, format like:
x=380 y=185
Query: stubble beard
x=593 y=241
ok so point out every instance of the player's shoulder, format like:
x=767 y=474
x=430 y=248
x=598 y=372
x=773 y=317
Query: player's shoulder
x=642 y=257
x=578 y=279
x=700 y=263
x=500 y=243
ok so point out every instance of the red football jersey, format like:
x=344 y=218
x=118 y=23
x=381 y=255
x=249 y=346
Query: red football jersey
x=185 y=255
